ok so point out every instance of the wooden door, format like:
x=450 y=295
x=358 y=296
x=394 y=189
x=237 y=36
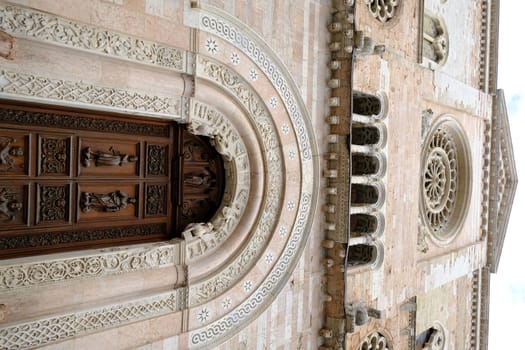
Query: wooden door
x=71 y=180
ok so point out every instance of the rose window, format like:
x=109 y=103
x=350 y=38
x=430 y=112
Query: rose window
x=382 y=10
x=445 y=183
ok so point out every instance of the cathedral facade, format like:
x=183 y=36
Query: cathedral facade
x=190 y=174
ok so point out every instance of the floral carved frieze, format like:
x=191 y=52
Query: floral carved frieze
x=40 y=26
x=104 y=263
x=56 y=328
x=77 y=93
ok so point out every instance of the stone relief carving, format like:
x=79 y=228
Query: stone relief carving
x=232 y=82
x=382 y=10
x=436 y=341
x=77 y=92
x=35 y=25
x=205 y=121
x=105 y=262
x=56 y=328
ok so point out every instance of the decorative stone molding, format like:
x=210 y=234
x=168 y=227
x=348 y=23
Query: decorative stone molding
x=221 y=24
x=100 y=263
x=218 y=330
x=210 y=19
x=248 y=98
x=35 y=25
x=22 y=86
x=206 y=121
x=60 y=327
x=382 y=10
x=445 y=181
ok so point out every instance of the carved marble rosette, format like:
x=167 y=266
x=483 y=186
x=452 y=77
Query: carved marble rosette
x=445 y=181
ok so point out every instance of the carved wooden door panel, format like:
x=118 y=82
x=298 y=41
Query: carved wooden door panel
x=73 y=180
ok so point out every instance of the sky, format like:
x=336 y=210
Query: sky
x=507 y=299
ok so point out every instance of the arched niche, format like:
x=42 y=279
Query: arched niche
x=366 y=224
x=371 y=195
x=368 y=164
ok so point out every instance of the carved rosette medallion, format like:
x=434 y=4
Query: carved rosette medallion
x=156 y=201
x=445 y=180
x=54 y=156
x=53 y=203
x=382 y=10
x=157 y=162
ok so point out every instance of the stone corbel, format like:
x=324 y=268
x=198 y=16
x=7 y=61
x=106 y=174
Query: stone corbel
x=358 y=313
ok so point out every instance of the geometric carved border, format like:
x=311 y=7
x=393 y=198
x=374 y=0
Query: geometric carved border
x=60 y=327
x=221 y=24
x=97 y=264
x=16 y=85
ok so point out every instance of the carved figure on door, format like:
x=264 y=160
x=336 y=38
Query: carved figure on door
x=113 y=158
x=105 y=202
x=8 y=206
x=7 y=151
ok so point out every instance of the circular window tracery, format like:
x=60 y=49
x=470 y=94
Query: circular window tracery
x=374 y=341
x=445 y=180
x=382 y=10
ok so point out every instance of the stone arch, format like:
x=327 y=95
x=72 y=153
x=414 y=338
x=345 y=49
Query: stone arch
x=374 y=341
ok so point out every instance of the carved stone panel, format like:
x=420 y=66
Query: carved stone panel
x=53 y=203
x=54 y=155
